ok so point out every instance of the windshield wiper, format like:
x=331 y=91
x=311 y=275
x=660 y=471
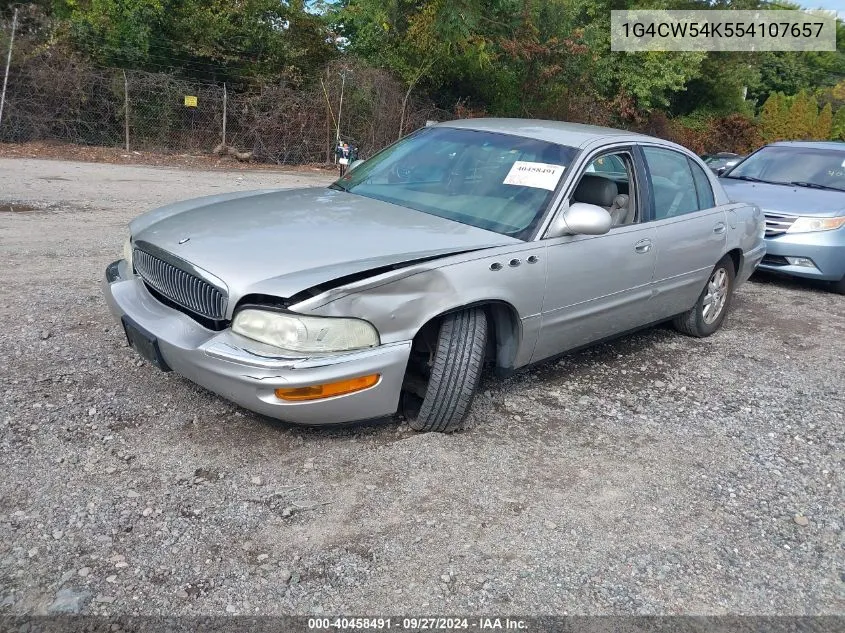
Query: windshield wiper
x=812 y=185
x=752 y=179
x=337 y=186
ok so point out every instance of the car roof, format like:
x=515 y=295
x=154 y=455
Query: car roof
x=837 y=145
x=560 y=132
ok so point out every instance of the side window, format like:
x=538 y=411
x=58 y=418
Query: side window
x=609 y=163
x=702 y=187
x=608 y=181
x=672 y=183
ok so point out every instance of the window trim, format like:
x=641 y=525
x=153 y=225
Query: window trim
x=635 y=178
x=647 y=168
x=693 y=166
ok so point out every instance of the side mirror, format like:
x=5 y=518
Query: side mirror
x=722 y=170
x=581 y=219
x=354 y=164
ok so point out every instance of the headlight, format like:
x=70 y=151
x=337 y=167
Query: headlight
x=300 y=333
x=127 y=253
x=809 y=225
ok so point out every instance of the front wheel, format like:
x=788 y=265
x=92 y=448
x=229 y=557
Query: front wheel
x=839 y=286
x=453 y=371
x=709 y=311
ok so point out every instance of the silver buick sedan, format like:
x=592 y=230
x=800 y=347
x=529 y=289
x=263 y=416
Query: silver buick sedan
x=487 y=241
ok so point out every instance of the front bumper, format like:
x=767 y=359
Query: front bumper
x=244 y=372
x=826 y=250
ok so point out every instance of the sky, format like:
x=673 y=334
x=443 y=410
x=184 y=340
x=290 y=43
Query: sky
x=831 y=5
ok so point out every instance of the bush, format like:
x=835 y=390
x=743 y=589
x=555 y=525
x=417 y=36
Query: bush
x=705 y=134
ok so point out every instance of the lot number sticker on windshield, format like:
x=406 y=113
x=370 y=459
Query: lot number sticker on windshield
x=539 y=175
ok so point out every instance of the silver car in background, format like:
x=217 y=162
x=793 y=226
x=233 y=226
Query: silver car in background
x=800 y=185
x=720 y=162
x=497 y=241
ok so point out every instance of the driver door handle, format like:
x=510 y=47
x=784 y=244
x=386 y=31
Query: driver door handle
x=719 y=228
x=643 y=246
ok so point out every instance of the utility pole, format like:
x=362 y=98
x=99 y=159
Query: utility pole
x=8 y=63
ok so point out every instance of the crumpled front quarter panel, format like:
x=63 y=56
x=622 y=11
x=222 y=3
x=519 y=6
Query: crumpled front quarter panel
x=401 y=302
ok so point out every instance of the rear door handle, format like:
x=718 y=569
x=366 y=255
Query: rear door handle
x=719 y=228
x=643 y=246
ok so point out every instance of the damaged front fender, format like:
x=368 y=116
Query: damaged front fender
x=399 y=303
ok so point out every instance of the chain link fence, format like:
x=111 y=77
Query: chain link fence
x=52 y=96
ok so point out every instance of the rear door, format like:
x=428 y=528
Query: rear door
x=691 y=232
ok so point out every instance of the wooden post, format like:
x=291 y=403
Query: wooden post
x=126 y=107
x=225 y=99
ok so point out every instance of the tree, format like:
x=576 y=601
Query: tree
x=720 y=87
x=803 y=116
x=112 y=32
x=774 y=118
x=424 y=43
x=209 y=39
x=824 y=123
x=838 y=125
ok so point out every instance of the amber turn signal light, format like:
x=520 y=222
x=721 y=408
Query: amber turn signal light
x=316 y=392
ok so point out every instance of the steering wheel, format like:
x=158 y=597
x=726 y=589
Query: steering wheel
x=399 y=173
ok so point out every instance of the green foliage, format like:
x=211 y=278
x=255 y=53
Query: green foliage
x=114 y=32
x=824 y=123
x=838 y=125
x=774 y=118
x=211 y=39
x=803 y=113
x=419 y=41
x=720 y=86
x=799 y=118
x=535 y=58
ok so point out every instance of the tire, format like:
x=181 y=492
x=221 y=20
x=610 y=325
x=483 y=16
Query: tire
x=455 y=372
x=839 y=286
x=699 y=321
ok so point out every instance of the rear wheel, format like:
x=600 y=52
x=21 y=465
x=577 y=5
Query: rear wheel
x=444 y=371
x=709 y=311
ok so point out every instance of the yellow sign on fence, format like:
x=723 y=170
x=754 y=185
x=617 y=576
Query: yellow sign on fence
x=190 y=101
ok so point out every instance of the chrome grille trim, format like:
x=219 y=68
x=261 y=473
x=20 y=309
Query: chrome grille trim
x=179 y=286
x=777 y=223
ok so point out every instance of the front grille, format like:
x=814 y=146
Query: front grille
x=777 y=224
x=182 y=288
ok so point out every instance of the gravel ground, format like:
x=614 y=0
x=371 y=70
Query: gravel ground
x=654 y=474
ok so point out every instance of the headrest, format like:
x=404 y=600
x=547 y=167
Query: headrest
x=596 y=190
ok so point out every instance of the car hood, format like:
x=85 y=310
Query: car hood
x=785 y=198
x=283 y=242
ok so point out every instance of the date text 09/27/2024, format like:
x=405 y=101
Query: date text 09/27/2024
x=416 y=624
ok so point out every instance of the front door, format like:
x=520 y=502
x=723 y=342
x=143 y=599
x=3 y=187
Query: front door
x=600 y=285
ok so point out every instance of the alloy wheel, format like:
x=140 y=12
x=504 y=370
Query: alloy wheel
x=716 y=296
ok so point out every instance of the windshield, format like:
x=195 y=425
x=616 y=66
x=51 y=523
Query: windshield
x=717 y=161
x=794 y=165
x=497 y=182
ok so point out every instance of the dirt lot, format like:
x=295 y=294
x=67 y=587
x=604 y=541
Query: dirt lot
x=656 y=474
